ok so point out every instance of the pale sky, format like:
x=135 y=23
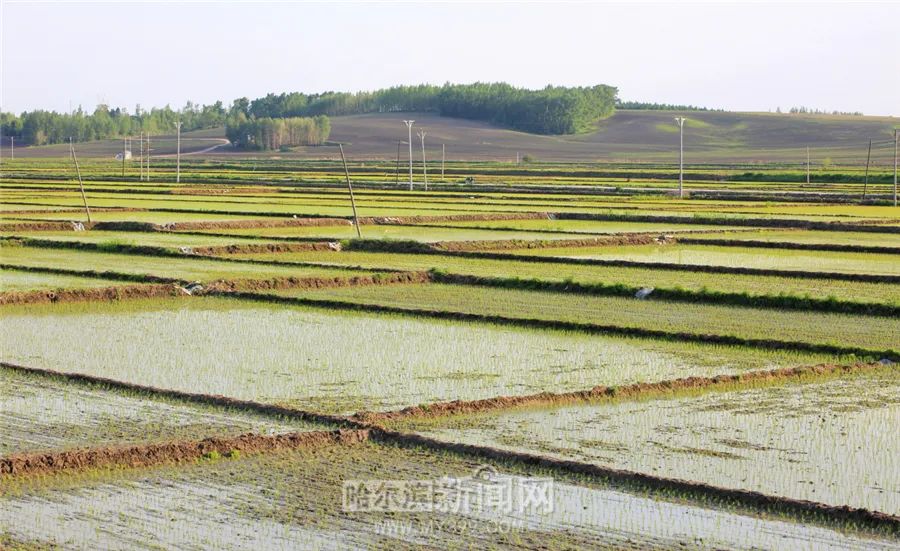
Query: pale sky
x=750 y=56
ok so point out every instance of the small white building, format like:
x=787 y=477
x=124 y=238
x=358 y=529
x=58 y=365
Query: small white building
x=126 y=153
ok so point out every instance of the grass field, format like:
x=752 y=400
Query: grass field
x=230 y=359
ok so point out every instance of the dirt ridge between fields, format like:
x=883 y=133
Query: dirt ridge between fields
x=602 y=393
x=393 y=278
x=124 y=292
x=254 y=248
x=285 y=222
x=179 y=451
x=172 y=289
x=39 y=226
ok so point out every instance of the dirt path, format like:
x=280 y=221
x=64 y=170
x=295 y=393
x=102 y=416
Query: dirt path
x=222 y=141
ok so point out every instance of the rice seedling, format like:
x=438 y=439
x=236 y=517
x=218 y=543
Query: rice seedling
x=187 y=268
x=795 y=440
x=43 y=414
x=19 y=280
x=273 y=501
x=322 y=360
x=533 y=268
x=813 y=261
x=872 y=332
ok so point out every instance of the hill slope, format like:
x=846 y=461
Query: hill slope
x=626 y=136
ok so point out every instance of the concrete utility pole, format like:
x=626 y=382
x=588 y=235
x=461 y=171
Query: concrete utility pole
x=443 y=157
x=178 y=154
x=12 y=147
x=350 y=187
x=409 y=125
x=80 y=182
x=124 y=149
x=895 y=167
x=398 y=162
x=148 y=156
x=141 y=158
x=868 y=157
x=680 y=121
x=422 y=135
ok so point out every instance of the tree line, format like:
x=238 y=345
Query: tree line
x=549 y=110
x=41 y=127
x=810 y=111
x=650 y=106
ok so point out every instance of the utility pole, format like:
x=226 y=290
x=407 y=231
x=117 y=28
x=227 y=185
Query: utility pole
x=148 y=156
x=443 y=156
x=868 y=157
x=895 y=167
x=807 y=165
x=409 y=129
x=517 y=158
x=141 y=158
x=12 y=147
x=398 y=162
x=178 y=154
x=422 y=134
x=680 y=121
x=350 y=187
x=80 y=182
x=124 y=149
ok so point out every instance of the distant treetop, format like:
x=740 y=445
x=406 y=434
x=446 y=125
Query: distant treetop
x=550 y=110
x=649 y=106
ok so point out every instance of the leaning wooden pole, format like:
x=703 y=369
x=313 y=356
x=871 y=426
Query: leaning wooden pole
x=80 y=182
x=350 y=187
